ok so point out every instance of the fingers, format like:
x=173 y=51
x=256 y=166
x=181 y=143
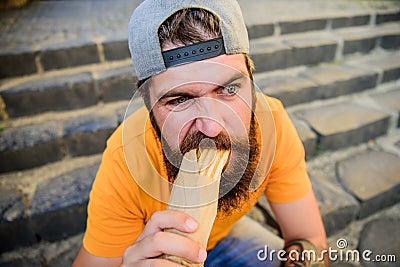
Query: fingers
x=167 y=219
x=172 y=244
x=154 y=242
x=156 y=263
x=163 y=243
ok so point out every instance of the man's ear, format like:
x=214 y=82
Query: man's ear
x=141 y=88
x=140 y=93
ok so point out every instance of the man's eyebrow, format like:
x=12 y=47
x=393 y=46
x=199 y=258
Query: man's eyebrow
x=235 y=77
x=174 y=93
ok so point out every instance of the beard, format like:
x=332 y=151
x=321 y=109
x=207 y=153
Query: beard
x=235 y=180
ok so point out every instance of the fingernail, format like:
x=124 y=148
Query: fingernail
x=202 y=255
x=191 y=224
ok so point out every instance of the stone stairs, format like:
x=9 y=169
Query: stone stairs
x=336 y=72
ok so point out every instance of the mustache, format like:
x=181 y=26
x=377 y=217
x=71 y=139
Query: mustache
x=199 y=140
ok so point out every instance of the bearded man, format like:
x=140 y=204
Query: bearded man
x=196 y=81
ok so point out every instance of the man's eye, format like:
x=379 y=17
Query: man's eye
x=178 y=101
x=230 y=89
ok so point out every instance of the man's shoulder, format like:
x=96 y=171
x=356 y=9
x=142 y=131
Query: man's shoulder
x=269 y=106
x=130 y=130
x=273 y=103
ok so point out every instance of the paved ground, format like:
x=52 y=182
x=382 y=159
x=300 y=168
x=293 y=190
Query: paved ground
x=51 y=23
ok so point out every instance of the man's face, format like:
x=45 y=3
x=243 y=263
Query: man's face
x=211 y=97
x=209 y=100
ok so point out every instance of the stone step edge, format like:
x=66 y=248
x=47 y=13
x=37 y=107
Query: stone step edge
x=68 y=134
x=315 y=142
x=325 y=178
x=258 y=77
x=83 y=132
x=44 y=253
x=97 y=67
x=299 y=85
x=312 y=48
x=99 y=51
x=390 y=86
x=46 y=203
x=126 y=62
x=66 y=249
x=68 y=92
x=333 y=21
x=93 y=68
x=97 y=78
x=92 y=76
x=118 y=109
x=352 y=98
x=261 y=206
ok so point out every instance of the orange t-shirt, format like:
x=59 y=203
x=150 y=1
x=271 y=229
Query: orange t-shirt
x=120 y=202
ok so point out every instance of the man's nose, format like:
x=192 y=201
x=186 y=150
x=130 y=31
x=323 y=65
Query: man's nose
x=208 y=126
x=209 y=120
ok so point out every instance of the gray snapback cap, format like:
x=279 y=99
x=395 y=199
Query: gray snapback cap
x=147 y=57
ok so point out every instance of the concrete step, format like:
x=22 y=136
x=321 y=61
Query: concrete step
x=46 y=203
x=332 y=172
x=49 y=226
x=27 y=142
x=74 y=88
x=50 y=254
x=35 y=219
x=349 y=120
x=64 y=38
x=371 y=233
x=344 y=124
x=365 y=39
x=85 y=86
x=50 y=137
x=301 y=85
x=68 y=89
x=365 y=232
x=281 y=52
x=346 y=121
x=358 y=118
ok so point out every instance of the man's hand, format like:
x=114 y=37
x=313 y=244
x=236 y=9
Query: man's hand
x=153 y=241
x=301 y=219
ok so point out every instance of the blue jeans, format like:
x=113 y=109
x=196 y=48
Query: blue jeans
x=242 y=246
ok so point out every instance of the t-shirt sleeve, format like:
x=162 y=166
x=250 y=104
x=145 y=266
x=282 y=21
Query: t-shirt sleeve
x=288 y=178
x=114 y=218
